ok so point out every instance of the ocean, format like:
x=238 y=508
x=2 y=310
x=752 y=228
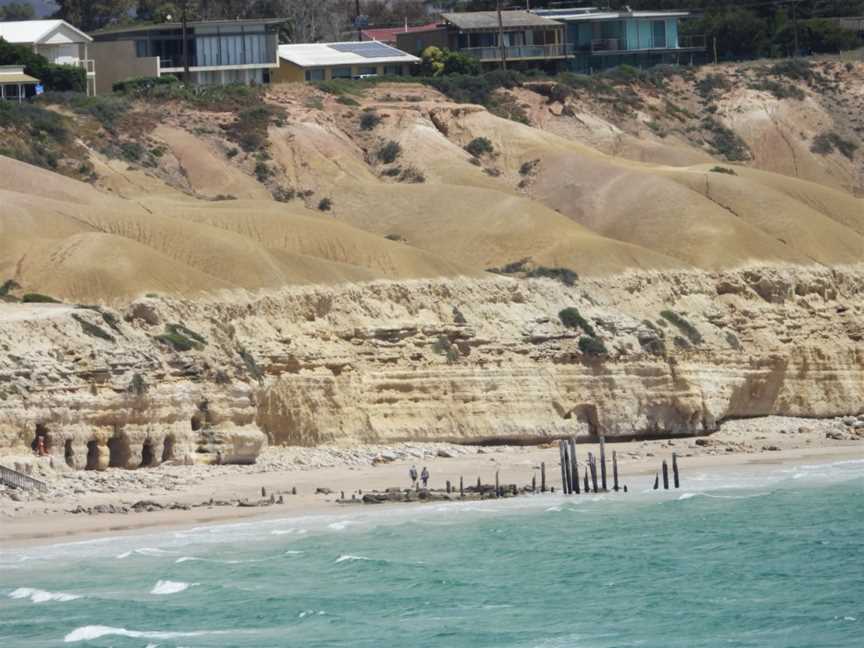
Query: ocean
x=772 y=558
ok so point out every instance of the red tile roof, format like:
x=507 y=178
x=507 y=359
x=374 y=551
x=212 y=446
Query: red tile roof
x=388 y=34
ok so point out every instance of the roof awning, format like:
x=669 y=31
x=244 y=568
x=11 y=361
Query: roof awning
x=488 y=20
x=17 y=79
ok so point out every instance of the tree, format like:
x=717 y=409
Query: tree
x=17 y=11
x=441 y=62
x=90 y=15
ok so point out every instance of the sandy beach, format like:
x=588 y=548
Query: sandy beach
x=182 y=494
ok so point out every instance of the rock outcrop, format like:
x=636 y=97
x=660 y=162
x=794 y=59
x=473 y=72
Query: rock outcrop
x=214 y=379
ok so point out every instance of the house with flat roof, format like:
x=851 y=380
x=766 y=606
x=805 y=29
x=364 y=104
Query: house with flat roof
x=14 y=84
x=56 y=40
x=582 y=39
x=388 y=34
x=524 y=37
x=217 y=52
x=598 y=39
x=350 y=60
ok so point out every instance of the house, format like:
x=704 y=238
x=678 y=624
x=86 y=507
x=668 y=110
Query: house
x=218 y=52
x=350 y=60
x=583 y=39
x=598 y=39
x=56 y=40
x=388 y=34
x=526 y=37
x=14 y=84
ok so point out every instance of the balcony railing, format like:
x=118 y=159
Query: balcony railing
x=89 y=65
x=516 y=52
x=601 y=45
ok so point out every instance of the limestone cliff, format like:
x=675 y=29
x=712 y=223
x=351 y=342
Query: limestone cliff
x=213 y=379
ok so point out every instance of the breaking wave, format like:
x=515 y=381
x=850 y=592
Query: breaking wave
x=41 y=596
x=170 y=587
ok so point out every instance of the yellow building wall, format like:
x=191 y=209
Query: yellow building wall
x=288 y=72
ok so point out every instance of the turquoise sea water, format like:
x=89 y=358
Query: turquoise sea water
x=773 y=558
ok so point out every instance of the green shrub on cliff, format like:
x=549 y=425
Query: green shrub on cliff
x=181 y=338
x=592 y=346
x=37 y=298
x=682 y=325
x=572 y=318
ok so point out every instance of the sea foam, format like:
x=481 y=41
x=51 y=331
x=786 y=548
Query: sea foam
x=170 y=587
x=350 y=557
x=90 y=632
x=41 y=596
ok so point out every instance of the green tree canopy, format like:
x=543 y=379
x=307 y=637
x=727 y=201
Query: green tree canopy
x=17 y=11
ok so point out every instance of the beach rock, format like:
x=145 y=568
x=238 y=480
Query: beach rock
x=445 y=453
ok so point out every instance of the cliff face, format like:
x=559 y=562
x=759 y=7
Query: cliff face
x=461 y=359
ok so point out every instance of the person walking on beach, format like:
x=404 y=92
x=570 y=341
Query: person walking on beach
x=413 y=475
x=424 y=476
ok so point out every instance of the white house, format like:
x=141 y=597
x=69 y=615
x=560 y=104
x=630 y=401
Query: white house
x=56 y=40
x=351 y=60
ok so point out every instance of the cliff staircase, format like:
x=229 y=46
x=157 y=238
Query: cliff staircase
x=9 y=477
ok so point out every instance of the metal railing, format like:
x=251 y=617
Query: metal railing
x=515 y=52
x=600 y=45
x=20 y=480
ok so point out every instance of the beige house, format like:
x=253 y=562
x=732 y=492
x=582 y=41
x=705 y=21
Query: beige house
x=217 y=52
x=351 y=60
x=56 y=40
x=14 y=84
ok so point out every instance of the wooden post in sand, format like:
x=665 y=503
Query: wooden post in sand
x=574 y=467
x=533 y=483
x=497 y=486
x=563 y=467
x=603 y=462
x=542 y=476
x=461 y=487
x=615 y=471
x=448 y=486
x=656 y=481
x=665 y=476
x=478 y=484
x=587 y=486
x=675 y=471
x=593 y=473
x=568 y=468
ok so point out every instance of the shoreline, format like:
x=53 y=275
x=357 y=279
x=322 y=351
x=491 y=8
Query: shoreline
x=33 y=524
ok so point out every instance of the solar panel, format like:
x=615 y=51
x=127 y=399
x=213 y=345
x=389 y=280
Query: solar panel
x=368 y=50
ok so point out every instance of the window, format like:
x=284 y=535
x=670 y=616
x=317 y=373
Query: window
x=141 y=48
x=658 y=28
x=393 y=70
x=341 y=73
x=314 y=75
x=367 y=70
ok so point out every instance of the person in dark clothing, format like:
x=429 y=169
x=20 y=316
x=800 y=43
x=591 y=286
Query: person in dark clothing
x=413 y=475
x=424 y=476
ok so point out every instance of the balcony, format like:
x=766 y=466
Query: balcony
x=89 y=65
x=516 y=52
x=622 y=45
